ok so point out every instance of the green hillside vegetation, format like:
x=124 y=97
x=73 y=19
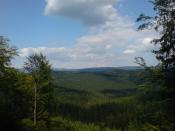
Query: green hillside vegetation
x=96 y=87
x=117 y=79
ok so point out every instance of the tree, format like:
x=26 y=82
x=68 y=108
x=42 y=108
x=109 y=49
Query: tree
x=40 y=69
x=6 y=53
x=14 y=96
x=164 y=23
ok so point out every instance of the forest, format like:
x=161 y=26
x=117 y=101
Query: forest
x=38 y=97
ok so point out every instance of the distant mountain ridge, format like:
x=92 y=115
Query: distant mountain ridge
x=100 y=69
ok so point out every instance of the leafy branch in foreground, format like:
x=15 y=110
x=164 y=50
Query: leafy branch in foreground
x=6 y=52
x=164 y=23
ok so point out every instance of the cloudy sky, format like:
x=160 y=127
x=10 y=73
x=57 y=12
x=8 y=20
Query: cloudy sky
x=78 y=33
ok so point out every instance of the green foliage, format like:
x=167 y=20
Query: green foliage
x=164 y=23
x=27 y=125
x=159 y=85
x=6 y=52
x=149 y=127
x=60 y=124
x=40 y=70
x=116 y=79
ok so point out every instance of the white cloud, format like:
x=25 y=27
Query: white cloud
x=142 y=45
x=95 y=53
x=129 y=51
x=78 y=57
x=111 y=41
x=90 y=12
x=53 y=53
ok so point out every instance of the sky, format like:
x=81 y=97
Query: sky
x=78 y=33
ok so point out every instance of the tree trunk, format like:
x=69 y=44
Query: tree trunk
x=35 y=97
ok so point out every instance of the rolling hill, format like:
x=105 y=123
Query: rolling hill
x=108 y=81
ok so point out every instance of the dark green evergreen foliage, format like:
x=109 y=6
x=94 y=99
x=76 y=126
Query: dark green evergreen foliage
x=113 y=115
x=164 y=23
x=9 y=80
x=61 y=124
x=161 y=88
x=13 y=99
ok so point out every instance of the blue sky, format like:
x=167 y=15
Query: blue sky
x=79 y=34
x=24 y=23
